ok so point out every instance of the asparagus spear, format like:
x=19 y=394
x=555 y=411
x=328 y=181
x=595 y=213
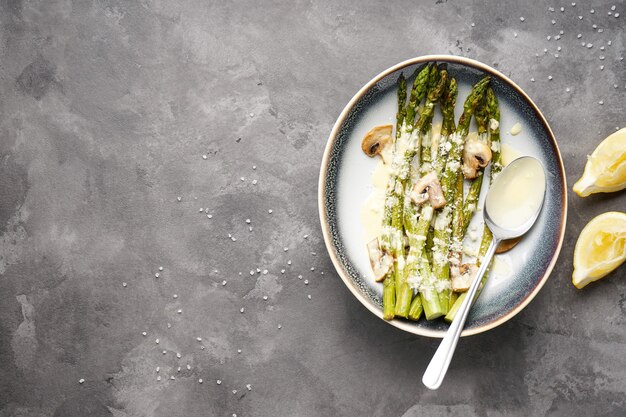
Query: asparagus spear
x=496 y=167
x=457 y=236
x=496 y=158
x=482 y=120
x=389 y=234
x=448 y=101
x=436 y=83
x=415 y=312
x=401 y=114
x=424 y=125
x=441 y=266
x=418 y=91
x=405 y=149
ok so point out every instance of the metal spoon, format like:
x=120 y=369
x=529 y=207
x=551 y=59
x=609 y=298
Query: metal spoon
x=506 y=219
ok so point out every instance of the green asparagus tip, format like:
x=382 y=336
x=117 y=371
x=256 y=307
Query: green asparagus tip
x=453 y=91
x=492 y=104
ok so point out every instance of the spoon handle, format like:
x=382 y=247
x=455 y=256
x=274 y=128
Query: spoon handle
x=433 y=377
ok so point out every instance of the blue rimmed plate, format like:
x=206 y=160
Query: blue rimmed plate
x=344 y=186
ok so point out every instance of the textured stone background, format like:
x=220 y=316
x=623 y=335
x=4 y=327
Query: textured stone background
x=106 y=108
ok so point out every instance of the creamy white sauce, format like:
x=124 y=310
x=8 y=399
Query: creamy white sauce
x=372 y=210
x=516 y=129
x=517 y=194
x=509 y=154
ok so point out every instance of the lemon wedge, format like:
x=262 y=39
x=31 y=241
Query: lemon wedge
x=600 y=249
x=605 y=170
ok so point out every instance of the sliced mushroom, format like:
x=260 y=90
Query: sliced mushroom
x=462 y=281
x=428 y=188
x=377 y=141
x=381 y=262
x=476 y=155
x=507 y=245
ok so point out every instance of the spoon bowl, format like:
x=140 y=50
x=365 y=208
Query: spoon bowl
x=512 y=205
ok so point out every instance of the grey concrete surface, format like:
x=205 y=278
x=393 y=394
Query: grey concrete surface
x=106 y=111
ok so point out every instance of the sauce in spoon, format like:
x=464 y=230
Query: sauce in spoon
x=517 y=194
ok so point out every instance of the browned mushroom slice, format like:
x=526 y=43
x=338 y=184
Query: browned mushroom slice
x=380 y=262
x=462 y=281
x=377 y=141
x=476 y=155
x=428 y=188
x=507 y=245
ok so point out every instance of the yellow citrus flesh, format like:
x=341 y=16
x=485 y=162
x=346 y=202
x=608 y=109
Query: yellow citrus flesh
x=605 y=170
x=600 y=249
